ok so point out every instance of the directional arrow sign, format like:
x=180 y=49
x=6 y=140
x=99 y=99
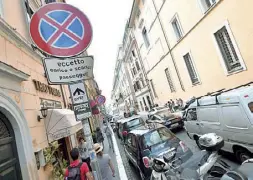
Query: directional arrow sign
x=78 y=93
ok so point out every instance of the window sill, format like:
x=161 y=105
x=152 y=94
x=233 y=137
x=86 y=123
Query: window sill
x=196 y=84
x=236 y=71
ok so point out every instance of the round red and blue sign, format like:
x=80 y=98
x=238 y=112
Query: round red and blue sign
x=100 y=100
x=60 y=30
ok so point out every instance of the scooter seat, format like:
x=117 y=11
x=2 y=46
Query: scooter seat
x=197 y=160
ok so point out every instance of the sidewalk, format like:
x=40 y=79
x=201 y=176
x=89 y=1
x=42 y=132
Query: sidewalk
x=116 y=158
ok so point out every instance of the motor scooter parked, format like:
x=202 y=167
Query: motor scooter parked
x=196 y=167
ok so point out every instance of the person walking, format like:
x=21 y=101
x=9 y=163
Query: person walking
x=84 y=152
x=77 y=170
x=105 y=163
x=108 y=133
x=99 y=136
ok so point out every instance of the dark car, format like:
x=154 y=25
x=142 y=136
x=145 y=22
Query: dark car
x=170 y=120
x=128 y=124
x=158 y=141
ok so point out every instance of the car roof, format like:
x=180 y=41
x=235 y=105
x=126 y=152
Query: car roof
x=145 y=129
x=129 y=118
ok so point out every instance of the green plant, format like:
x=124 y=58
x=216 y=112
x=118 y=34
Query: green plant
x=50 y=154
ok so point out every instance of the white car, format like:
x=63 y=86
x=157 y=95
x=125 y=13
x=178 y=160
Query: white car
x=228 y=114
x=157 y=109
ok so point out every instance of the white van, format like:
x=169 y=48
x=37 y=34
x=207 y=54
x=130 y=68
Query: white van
x=227 y=113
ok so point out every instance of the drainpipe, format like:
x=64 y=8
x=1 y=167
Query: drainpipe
x=167 y=42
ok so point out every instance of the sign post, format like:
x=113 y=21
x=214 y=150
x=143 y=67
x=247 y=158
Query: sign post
x=62 y=31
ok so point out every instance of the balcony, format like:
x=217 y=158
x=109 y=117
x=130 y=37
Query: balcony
x=141 y=91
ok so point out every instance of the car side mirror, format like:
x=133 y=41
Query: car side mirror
x=146 y=152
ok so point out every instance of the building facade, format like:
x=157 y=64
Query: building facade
x=190 y=48
x=24 y=93
x=137 y=72
x=123 y=96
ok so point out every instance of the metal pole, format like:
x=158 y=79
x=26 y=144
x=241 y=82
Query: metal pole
x=93 y=157
x=168 y=45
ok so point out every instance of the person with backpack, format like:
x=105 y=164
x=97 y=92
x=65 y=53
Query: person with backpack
x=77 y=170
x=99 y=136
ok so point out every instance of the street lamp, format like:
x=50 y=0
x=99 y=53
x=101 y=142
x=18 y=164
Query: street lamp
x=43 y=111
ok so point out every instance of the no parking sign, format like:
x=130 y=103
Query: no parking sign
x=60 y=30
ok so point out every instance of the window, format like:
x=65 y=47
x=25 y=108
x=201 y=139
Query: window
x=251 y=106
x=207 y=4
x=145 y=37
x=133 y=53
x=50 y=1
x=134 y=70
x=191 y=115
x=138 y=13
x=176 y=27
x=153 y=88
x=227 y=50
x=191 y=69
x=29 y=12
x=137 y=65
x=169 y=79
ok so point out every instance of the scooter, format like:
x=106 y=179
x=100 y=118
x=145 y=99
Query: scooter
x=195 y=168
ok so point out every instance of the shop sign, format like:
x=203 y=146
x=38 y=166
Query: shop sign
x=50 y=104
x=82 y=111
x=78 y=93
x=39 y=86
x=67 y=70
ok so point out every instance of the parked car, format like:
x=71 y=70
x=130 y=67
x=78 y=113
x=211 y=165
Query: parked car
x=157 y=109
x=153 y=142
x=228 y=113
x=170 y=120
x=128 y=124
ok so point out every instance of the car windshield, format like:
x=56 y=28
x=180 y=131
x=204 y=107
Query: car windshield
x=165 y=115
x=157 y=136
x=135 y=122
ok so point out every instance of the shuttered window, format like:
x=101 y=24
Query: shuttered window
x=227 y=49
x=171 y=84
x=191 y=69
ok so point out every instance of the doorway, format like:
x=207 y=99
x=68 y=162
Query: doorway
x=9 y=163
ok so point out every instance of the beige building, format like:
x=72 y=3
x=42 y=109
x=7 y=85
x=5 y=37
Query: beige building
x=193 y=47
x=23 y=92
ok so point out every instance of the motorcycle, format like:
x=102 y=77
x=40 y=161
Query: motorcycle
x=197 y=167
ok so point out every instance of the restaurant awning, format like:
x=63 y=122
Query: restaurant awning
x=61 y=123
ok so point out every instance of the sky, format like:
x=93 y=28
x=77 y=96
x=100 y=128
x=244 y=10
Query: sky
x=108 y=19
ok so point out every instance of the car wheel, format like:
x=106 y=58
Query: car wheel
x=242 y=155
x=197 y=142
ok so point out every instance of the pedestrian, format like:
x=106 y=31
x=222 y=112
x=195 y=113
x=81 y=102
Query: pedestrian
x=99 y=136
x=181 y=102
x=172 y=105
x=84 y=152
x=108 y=133
x=77 y=170
x=146 y=108
x=105 y=163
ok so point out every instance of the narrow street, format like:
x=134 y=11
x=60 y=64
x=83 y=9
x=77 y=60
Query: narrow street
x=133 y=174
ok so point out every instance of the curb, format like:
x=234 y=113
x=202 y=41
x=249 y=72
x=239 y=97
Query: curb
x=122 y=171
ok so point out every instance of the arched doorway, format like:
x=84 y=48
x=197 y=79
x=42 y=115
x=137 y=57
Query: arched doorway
x=9 y=163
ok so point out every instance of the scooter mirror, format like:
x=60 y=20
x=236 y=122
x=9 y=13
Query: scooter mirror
x=146 y=152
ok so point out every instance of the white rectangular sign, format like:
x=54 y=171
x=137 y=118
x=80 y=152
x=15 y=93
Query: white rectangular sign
x=82 y=111
x=78 y=93
x=67 y=70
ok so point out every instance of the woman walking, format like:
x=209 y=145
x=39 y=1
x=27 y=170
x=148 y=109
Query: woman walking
x=105 y=163
x=84 y=152
x=99 y=136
